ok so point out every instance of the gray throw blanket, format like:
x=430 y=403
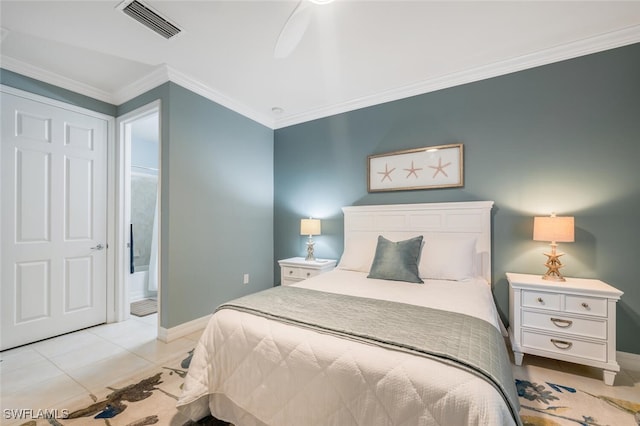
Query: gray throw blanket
x=457 y=339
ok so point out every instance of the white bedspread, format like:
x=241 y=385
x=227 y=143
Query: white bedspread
x=253 y=371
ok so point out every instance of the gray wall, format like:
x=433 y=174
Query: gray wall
x=216 y=203
x=561 y=138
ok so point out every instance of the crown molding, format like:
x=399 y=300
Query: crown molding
x=559 y=53
x=49 y=77
x=219 y=98
x=155 y=78
x=164 y=73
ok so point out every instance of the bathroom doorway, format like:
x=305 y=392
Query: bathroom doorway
x=140 y=144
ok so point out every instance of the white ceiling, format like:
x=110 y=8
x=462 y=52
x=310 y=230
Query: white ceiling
x=353 y=53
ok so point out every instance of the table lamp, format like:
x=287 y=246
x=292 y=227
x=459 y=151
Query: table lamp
x=554 y=229
x=310 y=227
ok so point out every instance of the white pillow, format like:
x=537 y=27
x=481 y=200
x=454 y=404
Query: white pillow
x=358 y=253
x=447 y=258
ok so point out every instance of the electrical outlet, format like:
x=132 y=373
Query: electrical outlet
x=245 y=279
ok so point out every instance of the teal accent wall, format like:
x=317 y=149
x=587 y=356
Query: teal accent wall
x=216 y=203
x=561 y=138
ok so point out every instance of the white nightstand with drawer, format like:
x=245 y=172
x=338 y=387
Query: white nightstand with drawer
x=297 y=269
x=573 y=321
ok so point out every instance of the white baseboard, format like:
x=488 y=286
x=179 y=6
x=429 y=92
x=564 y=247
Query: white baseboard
x=136 y=296
x=628 y=360
x=169 y=334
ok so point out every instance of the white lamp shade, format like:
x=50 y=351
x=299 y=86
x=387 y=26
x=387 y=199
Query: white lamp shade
x=553 y=228
x=310 y=227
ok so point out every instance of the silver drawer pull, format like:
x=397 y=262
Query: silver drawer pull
x=290 y=272
x=540 y=300
x=585 y=305
x=561 y=344
x=562 y=323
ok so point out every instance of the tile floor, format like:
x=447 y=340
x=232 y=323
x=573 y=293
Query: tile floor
x=54 y=372
x=57 y=371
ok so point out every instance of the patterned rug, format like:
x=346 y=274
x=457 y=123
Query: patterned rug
x=150 y=399
x=554 y=404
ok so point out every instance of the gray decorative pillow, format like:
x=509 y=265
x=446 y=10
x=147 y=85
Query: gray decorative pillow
x=397 y=261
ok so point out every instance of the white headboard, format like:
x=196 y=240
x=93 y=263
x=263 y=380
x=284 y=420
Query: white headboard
x=402 y=221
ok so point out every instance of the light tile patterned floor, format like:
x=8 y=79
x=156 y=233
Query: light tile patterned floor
x=55 y=372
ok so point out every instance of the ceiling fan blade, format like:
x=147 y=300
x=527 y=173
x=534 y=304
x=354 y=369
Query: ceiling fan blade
x=293 y=30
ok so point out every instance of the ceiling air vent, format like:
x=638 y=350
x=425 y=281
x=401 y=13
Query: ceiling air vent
x=146 y=16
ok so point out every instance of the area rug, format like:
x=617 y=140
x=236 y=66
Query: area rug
x=554 y=404
x=145 y=307
x=150 y=399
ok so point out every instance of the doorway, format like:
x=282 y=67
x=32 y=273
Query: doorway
x=54 y=216
x=140 y=177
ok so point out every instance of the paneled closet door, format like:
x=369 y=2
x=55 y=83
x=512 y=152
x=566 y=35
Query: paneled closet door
x=53 y=164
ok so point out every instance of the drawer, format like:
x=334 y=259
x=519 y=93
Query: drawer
x=289 y=281
x=567 y=346
x=586 y=305
x=299 y=273
x=288 y=271
x=541 y=300
x=585 y=327
x=308 y=273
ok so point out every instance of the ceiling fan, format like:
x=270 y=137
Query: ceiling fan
x=295 y=27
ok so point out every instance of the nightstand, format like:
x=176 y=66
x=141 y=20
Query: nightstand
x=573 y=321
x=297 y=269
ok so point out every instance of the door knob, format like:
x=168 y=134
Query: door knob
x=98 y=247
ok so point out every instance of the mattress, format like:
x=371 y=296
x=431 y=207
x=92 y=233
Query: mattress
x=251 y=370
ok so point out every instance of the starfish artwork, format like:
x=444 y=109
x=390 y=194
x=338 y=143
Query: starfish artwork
x=413 y=171
x=387 y=173
x=440 y=168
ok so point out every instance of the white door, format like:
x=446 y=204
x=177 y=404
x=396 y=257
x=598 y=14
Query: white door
x=53 y=226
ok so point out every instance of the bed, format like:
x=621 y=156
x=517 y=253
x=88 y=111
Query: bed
x=403 y=332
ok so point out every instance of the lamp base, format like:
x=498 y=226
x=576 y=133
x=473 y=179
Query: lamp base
x=557 y=278
x=553 y=267
x=310 y=257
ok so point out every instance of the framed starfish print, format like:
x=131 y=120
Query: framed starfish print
x=420 y=168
